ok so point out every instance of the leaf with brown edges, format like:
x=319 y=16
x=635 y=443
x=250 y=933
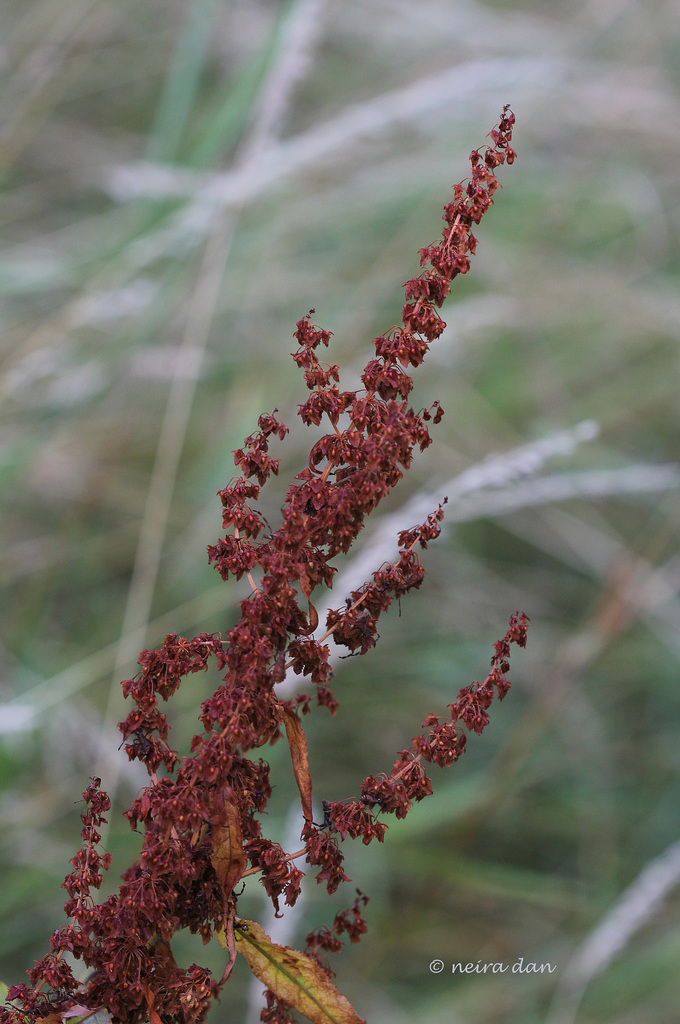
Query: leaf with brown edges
x=293 y=977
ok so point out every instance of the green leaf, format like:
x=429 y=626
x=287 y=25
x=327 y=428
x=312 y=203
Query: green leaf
x=293 y=977
x=4 y=989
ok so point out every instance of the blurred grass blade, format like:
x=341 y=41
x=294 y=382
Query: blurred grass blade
x=233 y=108
x=182 y=81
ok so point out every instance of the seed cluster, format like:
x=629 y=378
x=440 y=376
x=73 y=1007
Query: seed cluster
x=199 y=813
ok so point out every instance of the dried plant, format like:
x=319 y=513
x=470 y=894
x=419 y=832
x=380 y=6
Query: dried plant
x=199 y=814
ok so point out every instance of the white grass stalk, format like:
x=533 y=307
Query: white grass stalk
x=472 y=86
x=299 y=43
x=636 y=907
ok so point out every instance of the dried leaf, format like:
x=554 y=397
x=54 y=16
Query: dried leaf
x=228 y=857
x=225 y=937
x=154 y=1018
x=297 y=741
x=313 y=617
x=293 y=977
x=198 y=837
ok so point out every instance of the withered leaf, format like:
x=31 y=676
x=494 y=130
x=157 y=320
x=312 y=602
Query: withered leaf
x=154 y=1018
x=228 y=857
x=294 y=977
x=297 y=741
x=225 y=937
x=313 y=617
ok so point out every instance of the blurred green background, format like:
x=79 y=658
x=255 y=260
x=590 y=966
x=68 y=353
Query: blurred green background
x=181 y=181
